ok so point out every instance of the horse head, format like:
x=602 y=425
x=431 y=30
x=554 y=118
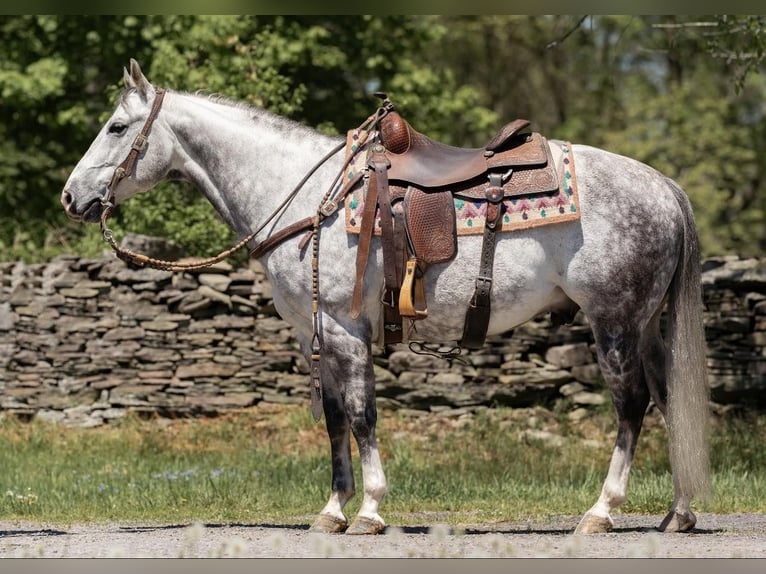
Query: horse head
x=93 y=182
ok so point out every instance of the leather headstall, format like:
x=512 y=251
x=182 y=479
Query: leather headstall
x=125 y=169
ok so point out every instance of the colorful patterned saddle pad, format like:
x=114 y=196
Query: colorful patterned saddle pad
x=519 y=212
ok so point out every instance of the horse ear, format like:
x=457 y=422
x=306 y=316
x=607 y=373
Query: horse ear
x=137 y=80
x=129 y=83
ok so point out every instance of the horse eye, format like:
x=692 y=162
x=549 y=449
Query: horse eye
x=117 y=128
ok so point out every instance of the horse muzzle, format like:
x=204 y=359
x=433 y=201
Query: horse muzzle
x=89 y=212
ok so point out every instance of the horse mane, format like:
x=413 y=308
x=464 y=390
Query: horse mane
x=255 y=114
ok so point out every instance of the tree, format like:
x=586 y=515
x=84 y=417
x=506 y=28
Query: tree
x=683 y=94
x=701 y=123
x=61 y=75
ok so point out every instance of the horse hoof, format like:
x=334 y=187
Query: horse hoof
x=328 y=524
x=592 y=524
x=675 y=522
x=363 y=525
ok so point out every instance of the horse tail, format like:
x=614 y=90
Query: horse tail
x=688 y=414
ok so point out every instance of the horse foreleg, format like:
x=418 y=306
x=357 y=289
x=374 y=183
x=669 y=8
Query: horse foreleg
x=362 y=413
x=348 y=383
x=331 y=519
x=621 y=367
x=368 y=521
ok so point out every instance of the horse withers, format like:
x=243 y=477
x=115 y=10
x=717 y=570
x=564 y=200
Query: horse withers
x=632 y=251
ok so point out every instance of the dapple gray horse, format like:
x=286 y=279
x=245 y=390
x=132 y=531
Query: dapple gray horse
x=633 y=251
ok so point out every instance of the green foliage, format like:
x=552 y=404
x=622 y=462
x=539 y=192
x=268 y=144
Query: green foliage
x=684 y=94
x=741 y=43
x=694 y=138
x=177 y=212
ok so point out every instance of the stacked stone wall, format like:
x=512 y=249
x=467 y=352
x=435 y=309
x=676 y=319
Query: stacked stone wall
x=83 y=341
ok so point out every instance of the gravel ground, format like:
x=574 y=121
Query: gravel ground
x=717 y=536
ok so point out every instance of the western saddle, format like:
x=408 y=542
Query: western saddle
x=413 y=184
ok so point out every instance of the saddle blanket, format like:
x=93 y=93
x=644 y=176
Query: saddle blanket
x=522 y=212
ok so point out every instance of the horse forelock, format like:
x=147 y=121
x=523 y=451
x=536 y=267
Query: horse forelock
x=123 y=99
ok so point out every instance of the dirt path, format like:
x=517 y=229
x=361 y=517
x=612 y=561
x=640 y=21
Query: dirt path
x=718 y=536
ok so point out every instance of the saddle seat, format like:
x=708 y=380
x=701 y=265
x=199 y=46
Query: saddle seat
x=417 y=159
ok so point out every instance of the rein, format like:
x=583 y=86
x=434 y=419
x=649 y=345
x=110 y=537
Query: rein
x=329 y=204
x=125 y=169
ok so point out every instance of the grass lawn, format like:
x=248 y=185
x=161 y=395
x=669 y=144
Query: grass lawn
x=271 y=464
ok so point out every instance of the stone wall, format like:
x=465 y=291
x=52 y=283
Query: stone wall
x=84 y=340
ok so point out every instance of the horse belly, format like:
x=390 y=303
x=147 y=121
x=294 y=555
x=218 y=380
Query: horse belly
x=524 y=285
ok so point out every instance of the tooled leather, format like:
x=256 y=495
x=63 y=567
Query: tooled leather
x=431 y=225
x=522 y=182
x=395 y=133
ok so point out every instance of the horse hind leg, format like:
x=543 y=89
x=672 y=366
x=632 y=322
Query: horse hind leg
x=680 y=518
x=620 y=362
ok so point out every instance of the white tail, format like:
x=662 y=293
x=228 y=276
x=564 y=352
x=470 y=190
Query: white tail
x=688 y=392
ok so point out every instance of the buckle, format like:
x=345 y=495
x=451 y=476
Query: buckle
x=487 y=281
x=139 y=143
x=329 y=208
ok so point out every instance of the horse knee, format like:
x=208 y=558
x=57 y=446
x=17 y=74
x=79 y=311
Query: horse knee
x=363 y=419
x=622 y=367
x=363 y=427
x=618 y=355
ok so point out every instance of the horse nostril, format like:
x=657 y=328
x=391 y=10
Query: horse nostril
x=67 y=200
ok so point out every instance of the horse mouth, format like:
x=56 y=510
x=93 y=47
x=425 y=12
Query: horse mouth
x=91 y=213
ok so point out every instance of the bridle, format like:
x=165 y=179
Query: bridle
x=125 y=169
x=329 y=204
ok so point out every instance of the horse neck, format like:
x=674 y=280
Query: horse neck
x=246 y=161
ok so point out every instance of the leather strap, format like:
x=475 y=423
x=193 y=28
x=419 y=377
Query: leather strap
x=392 y=319
x=379 y=162
x=283 y=234
x=304 y=224
x=478 y=312
x=400 y=240
x=317 y=406
x=366 y=229
x=126 y=168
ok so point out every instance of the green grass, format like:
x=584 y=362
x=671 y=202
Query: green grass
x=273 y=466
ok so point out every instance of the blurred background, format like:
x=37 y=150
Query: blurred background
x=683 y=94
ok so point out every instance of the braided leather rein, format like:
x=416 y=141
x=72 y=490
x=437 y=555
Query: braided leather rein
x=125 y=169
